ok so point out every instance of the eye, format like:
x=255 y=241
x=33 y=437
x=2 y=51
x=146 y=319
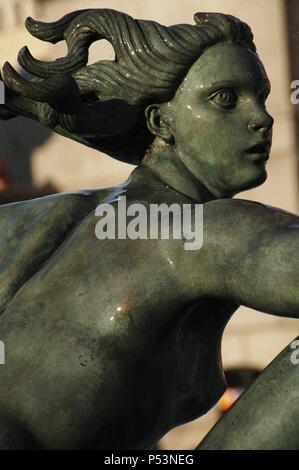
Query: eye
x=224 y=98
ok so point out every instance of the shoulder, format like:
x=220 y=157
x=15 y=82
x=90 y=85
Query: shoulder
x=73 y=205
x=35 y=205
x=245 y=214
x=31 y=231
x=232 y=230
x=243 y=205
x=232 y=226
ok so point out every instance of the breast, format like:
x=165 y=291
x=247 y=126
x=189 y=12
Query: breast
x=200 y=376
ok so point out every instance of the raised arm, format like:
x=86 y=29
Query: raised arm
x=251 y=254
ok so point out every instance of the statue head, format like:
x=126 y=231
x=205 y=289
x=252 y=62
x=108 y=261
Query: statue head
x=216 y=127
x=196 y=90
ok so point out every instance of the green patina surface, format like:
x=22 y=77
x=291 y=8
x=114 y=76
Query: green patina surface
x=112 y=343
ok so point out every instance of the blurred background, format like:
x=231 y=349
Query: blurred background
x=34 y=161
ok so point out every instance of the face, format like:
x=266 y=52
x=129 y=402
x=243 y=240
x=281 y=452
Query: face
x=221 y=128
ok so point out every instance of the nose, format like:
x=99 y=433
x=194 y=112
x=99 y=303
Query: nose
x=261 y=122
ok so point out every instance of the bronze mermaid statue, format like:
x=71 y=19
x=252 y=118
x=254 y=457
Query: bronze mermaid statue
x=111 y=343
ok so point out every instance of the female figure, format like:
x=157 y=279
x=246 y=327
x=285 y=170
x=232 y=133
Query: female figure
x=111 y=343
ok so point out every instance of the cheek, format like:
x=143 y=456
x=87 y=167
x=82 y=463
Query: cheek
x=211 y=135
x=193 y=131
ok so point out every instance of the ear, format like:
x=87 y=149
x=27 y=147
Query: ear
x=156 y=123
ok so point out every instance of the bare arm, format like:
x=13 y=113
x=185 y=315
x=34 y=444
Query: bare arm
x=251 y=252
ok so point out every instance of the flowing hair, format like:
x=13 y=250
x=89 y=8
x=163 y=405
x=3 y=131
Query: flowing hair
x=102 y=105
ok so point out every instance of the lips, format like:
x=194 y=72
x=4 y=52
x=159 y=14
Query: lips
x=259 y=152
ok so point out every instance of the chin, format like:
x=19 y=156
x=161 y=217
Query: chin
x=254 y=182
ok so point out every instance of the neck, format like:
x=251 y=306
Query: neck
x=169 y=168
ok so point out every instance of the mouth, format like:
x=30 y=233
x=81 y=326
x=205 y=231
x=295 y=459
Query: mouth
x=259 y=152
